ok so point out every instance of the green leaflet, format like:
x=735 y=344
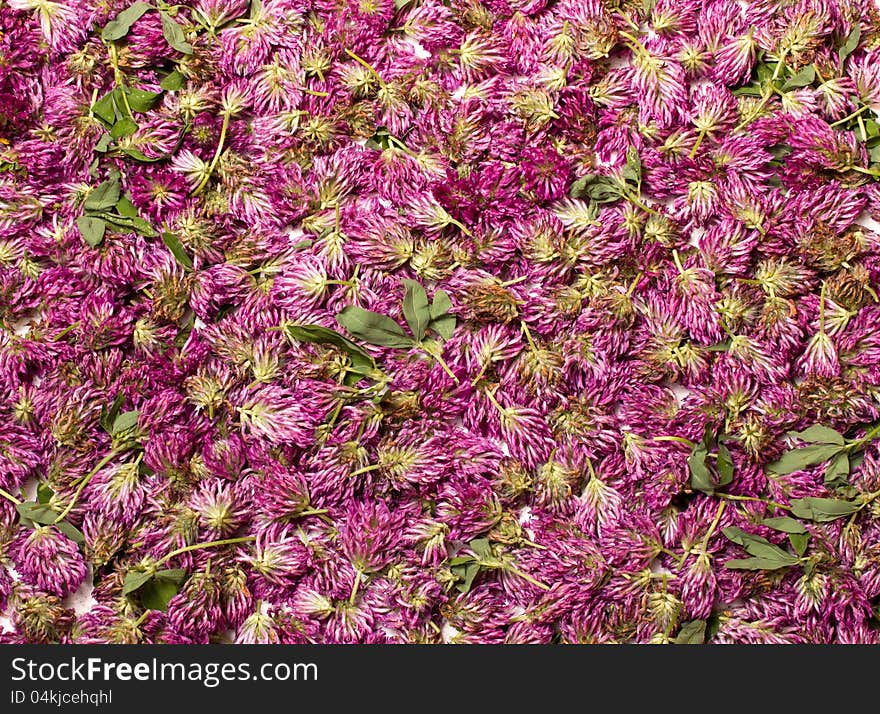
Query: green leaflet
x=141 y=100
x=802 y=457
x=415 y=308
x=601 y=189
x=702 y=478
x=105 y=108
x=173 y=81
x=98 y=201
x=766 y=556
x=44 y=493
x=823 y=510
x=155 y=589
x=134 y=580
x=124 y=127
x=837 y=472
x=751 y=90
x=798 y=535
x=137 y=224
x=72 y=532
x=691 y=633
x=91 y=229
x=441 y=305
x=824 y=444
x=172 y=242
x=105 y=195
x=186 y=328
x=799 y=542
x=373 y=328
x=109 y=413
x=757 y=563
x=444 y=326
x=725 y=465
x=481 y=547
x=818 y=434
x=139 y=155
x=380 y=140
x=102 y=147
x=40 y=513
x=123 y=422
x=125 y=208
x=852 y=42
x=119 y=27
x=442 y=322
x=317 y=334
x=157 y=593
x=784 y=524
x=466 y=570
x=37 y=512
x=467 y=567
x=173 y=34
x=804 y=78
x=632 y=170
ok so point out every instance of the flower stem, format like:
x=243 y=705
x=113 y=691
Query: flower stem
x=445 y=366
x=119 y=77
x=862 y=170
x=313 y=512
x=700 y=137
x=637 y=202
x=869 y=436
x=366 y=469
x=635 y=284
x=528 y=578
x=9 y=497
x=461 y=226
x=765 y=98
x=679 y=439
x=65 y=331
x=361 y=61
x=481 y=372
x=528 y=333
x=435 y=353
x=355 y=586
x=213 y=165
x=200 y=546
x=84 y=482
x=718 y=514
x=732 y=497
x=495 y=403
x=855 y=114
x=636 y=44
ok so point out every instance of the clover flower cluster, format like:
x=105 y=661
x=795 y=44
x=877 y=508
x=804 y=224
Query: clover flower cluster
x=477 y=321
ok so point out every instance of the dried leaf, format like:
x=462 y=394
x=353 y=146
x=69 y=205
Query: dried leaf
x=823 y=510
x=174 y=35
x=804 y=78
x=691 y=633
x=172 y=242
x=415 y=308
x=803 y=457
x=119 y=27
x=373 y=328
x=818 y=434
